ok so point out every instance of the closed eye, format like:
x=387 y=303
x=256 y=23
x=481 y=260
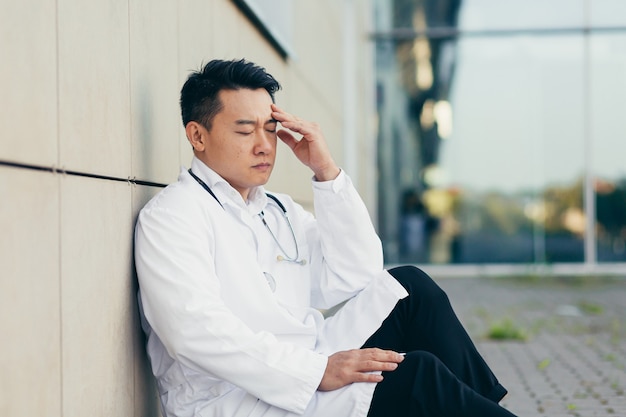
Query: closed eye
x=270 y=126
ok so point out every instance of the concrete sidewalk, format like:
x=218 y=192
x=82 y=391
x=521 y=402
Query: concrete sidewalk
x=572 y=361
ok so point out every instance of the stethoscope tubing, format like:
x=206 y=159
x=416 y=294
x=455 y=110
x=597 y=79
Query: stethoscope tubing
x=279 y=258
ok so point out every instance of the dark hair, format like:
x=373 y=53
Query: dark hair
x=199 y=100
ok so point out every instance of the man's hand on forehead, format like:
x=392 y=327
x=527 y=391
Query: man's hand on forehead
x=311 y=149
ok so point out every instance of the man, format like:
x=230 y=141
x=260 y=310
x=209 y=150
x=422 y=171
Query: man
x=232 y=280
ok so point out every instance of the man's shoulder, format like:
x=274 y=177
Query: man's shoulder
x=179 y=196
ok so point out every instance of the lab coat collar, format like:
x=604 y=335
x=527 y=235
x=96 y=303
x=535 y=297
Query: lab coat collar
x=227 y=195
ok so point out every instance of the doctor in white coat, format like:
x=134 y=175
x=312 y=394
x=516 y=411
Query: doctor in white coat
x=232 y=278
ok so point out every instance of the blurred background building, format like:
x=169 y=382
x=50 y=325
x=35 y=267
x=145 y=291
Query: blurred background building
x=481 y=134
x=501 y=133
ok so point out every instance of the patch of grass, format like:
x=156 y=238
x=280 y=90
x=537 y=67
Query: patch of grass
x=506 y=329
x=616 y=331
x=543 y=364
x=590 y=341
x=590 y=308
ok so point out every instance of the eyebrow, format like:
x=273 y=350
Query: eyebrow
x=252 y=122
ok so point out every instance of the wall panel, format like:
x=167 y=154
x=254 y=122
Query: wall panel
x=30 y=374
x=28 y=69
x=154 y=90
x=94 y=109
x=98 y=301
x=195 y=46
x=145 y=392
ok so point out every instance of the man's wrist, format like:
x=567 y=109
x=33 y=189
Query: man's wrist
x=327 y=174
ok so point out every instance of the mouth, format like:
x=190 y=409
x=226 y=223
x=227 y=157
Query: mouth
x=262 y=166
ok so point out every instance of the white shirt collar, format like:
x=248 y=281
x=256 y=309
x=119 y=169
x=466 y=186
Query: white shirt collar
x=257 y=200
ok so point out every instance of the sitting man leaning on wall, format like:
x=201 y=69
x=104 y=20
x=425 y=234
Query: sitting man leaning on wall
x=231 y=279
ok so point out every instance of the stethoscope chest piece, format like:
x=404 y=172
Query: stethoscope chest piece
x=281 y=258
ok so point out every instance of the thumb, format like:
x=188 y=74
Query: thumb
x=287 y=138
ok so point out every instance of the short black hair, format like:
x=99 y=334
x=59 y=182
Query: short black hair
x=199 y=97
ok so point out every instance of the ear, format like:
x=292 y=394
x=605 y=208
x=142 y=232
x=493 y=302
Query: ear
x=196 y=135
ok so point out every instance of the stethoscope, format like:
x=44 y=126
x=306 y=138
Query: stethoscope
x=279 y=258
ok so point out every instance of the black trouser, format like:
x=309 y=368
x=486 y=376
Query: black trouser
x=442 y=374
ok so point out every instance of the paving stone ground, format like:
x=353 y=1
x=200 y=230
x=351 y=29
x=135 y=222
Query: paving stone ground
x=572 y=361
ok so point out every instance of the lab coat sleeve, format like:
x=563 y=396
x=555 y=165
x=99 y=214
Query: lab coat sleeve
x=180 y=294
x=346 y=252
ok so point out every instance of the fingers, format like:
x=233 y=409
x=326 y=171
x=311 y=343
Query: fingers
x=359 y=365
x=287 y=138
x=311 y=149
x=365 y=377
x=281 y=115
x=384 y=355
x=295 y=124
x=371 y=360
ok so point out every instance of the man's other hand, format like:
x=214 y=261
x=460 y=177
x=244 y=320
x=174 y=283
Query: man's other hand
x=358 y=365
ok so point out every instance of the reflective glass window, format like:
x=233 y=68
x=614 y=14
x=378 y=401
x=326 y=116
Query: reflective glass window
x=501 y=131
x=606 y=13
x=515 y=153
x=516 y=14
x=607 y=131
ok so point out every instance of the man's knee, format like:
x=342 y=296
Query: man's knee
x=407 y=272
x=417 y=282
x=424 y=365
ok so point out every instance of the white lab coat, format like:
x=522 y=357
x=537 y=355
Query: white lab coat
x=220 y=341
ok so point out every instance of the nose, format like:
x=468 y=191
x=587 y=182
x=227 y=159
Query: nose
x=265 y=142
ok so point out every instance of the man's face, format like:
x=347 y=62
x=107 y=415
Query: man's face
x=241 y=145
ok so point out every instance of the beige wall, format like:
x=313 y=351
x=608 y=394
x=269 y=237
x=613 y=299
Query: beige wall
x=93 y=87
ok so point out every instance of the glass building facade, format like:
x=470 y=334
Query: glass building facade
x=502 y=131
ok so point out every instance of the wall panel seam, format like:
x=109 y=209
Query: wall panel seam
x=63 y=171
